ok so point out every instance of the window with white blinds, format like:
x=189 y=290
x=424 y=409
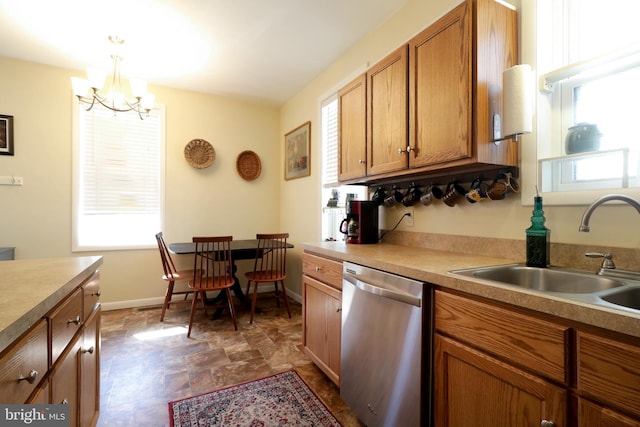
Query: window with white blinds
x=118 y=179
x=330 y=140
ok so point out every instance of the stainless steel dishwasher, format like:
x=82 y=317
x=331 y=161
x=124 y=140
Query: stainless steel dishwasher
x=386 y=363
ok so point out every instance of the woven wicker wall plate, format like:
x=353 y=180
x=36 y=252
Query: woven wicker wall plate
x=248 y=165
x=199 y=153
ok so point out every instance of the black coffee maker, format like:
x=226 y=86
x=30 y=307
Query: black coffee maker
x=361 y=223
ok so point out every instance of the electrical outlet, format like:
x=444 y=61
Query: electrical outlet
x=408 y=220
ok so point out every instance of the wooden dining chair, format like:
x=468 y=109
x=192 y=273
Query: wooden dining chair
x=213 y=259
x=269 y=267
x=172 y=276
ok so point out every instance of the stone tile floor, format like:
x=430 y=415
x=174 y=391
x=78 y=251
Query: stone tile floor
x=146 y=363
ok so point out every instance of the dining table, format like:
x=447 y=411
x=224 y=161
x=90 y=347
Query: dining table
x=243 y=249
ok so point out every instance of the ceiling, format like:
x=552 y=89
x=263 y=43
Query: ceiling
x=263 y=50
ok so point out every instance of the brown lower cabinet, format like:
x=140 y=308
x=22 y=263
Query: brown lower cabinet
x=498 y=365
x=322 y=313
x=474 y=389
x=58 y=359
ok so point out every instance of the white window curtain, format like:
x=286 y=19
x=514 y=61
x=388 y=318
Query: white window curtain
x=118 y=179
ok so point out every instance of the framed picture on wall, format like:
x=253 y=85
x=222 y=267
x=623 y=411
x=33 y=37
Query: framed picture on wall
x=6 y=135
x=297 y=147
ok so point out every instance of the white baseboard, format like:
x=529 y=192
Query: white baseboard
x=107 y=306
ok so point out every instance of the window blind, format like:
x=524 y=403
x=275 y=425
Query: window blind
x=118 y=178
x=330 y=140
x=120 y=157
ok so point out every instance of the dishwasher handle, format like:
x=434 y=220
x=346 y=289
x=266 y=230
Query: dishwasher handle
x=383 y=292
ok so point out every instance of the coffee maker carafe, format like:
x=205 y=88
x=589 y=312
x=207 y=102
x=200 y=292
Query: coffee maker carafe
x=361 y=223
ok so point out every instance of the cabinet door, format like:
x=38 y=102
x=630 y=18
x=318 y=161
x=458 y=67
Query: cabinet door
x=352 y=130
x=90 y=371
x=440 y=112
x=473 y=389
x=23 y=365
x=609 y=371
x=65 y=379
x=387 y=113
x=593 y=415
x=322 y=323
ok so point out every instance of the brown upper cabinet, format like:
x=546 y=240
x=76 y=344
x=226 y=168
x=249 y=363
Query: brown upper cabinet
x=387 y=113
x=430 y=104
x=352 y=130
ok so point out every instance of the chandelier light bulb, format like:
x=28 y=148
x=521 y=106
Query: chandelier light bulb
x=88 y=90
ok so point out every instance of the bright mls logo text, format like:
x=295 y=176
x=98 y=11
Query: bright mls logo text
x=39 y=415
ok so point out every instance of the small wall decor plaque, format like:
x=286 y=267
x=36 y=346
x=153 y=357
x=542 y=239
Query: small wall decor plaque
x=297 y=152
x=6 y=135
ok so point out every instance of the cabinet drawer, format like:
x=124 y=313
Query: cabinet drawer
x=609 y=371
x=536 y=344
x=323 y=269
x=27 y=356
x=91 y=293
x=65 y=321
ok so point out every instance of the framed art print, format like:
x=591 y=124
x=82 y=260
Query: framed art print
x=297 y=152
x=6 y=135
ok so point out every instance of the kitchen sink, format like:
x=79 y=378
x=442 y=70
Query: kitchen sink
x=628 y=297
x=552 y=279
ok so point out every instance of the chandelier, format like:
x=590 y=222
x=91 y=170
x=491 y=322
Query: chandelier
x=88 y=90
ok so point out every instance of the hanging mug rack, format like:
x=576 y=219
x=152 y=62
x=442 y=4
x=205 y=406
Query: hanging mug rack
x=452 y=192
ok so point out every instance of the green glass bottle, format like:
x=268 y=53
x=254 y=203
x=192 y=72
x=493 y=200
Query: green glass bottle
x=538 y=237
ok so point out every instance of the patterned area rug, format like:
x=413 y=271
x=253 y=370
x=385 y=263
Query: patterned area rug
x=276 y=400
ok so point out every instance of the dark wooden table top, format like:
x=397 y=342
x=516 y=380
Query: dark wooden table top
x=240 y=249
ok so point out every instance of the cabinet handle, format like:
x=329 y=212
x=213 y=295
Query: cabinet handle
x=89 y=350
x=338 y=310
x=547 y=423
x=96 y=294
x=362 y=161
x=401 y=151
x=76 y=320
x=31 y=378
x=409 y=148
x=65 y=402
x=318 y=269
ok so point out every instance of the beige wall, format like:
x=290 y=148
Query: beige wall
x=611 y=225
x=36 y=218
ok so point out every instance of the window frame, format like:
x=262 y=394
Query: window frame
x=558 y=86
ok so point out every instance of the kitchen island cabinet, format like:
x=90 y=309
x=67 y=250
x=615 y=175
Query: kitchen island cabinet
x=50 y=334
x=322 y=313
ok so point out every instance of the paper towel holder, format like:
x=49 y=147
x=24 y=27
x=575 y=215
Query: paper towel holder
x=517 y=97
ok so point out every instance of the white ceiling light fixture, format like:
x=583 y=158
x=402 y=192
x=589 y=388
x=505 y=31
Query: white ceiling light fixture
x=87 y=90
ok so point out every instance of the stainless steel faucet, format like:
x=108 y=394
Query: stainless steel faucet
x=584 y=224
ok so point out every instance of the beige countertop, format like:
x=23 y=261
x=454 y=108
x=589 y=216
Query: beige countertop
x=433 y=266
x=31 y=288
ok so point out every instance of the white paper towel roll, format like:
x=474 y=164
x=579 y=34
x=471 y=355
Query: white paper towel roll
x=517 y=100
